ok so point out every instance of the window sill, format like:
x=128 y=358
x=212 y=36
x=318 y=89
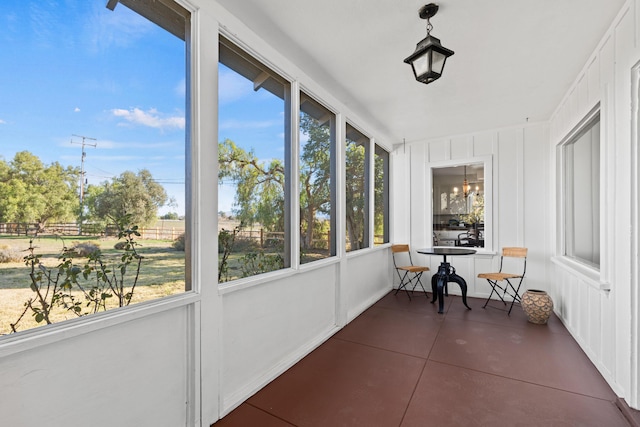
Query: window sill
x=479 y=251
x=248 y=282
x=588 y=274
x=47 y=334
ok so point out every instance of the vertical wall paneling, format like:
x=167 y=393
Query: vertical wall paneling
x=535 y=214
x=461 y=147
x=593 y=78
x=519 y=162
x=439 y=150
x=603 y=316
x=634 y=397
x=400 y=194
x=594 y=319
x=420 y=197
x=624 y=36
x=506 y=190
x=482 y=144
x=583 y=90
x=512 y=156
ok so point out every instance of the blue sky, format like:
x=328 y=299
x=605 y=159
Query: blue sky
x=75 y=67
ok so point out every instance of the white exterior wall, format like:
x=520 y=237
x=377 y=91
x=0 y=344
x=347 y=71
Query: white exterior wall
x=601 y=312
x=190 y=359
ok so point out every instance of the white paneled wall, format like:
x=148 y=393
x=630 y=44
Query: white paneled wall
x=599 y=312
x=520 y=203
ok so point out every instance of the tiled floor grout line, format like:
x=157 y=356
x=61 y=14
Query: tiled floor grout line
x=424 y=366
x=413 y=392
x=267 y=412
x=518 y=380
x=377 y=348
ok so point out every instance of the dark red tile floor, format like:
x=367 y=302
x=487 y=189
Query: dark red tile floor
x=400 y=363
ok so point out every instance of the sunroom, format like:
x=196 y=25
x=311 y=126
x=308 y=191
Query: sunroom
x=509 y=114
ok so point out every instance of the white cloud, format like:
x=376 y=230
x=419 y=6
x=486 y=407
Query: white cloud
x=76 y=110
x=2 y=122
x=151 y=118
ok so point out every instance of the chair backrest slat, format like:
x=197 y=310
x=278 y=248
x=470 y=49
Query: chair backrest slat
x=515 y=252
x=399 y=248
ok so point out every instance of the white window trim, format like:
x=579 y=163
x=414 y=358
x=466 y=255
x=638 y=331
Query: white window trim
x=597 y=277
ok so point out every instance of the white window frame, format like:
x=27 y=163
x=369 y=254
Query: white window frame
x=595 y=276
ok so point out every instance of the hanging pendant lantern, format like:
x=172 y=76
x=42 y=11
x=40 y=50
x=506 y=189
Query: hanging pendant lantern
x=430 y=56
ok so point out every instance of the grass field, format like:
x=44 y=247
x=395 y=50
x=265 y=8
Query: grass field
x=162 y=274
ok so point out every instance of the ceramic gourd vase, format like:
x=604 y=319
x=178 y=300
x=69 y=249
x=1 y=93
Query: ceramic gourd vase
x=537 y=305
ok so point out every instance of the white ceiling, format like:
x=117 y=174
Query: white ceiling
x=514 y=59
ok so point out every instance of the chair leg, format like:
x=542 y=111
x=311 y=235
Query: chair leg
x=419 y=282
x=493 y=285
x=403 y=284
x=516 y=294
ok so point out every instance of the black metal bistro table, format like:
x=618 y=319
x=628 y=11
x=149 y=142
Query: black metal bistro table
x=446 y=273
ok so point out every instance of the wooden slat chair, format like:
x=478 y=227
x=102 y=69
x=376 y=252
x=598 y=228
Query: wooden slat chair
x=408 y=274
x=496 y=279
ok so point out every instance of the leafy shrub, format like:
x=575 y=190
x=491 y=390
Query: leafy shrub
x=9 y=254
x=83 y=287
x=84 y=249
x=120 y=245
x=258 y=262
x=179 y=244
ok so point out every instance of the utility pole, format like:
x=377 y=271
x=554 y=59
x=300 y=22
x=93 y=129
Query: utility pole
x=84 y=143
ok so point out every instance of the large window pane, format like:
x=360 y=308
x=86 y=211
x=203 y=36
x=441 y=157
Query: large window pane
x=253 y=141
x=317 y=188
x=459 y=215
x=93 y=144
x=381 y=196
x=357 y=207
x=582 y=195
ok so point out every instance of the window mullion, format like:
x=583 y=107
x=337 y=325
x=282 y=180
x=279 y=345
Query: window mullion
x=292 y=176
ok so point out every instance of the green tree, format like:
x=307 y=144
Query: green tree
x=137 y=195
x=33 y=192
x=355 y=193
x=259 y=185
x=315 y=176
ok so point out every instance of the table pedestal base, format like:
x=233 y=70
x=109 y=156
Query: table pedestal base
x=439 y=281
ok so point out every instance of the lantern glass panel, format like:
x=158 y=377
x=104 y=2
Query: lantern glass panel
x=421 y=64
x=438 y=62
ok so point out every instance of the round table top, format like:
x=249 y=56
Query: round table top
x=447 y=251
